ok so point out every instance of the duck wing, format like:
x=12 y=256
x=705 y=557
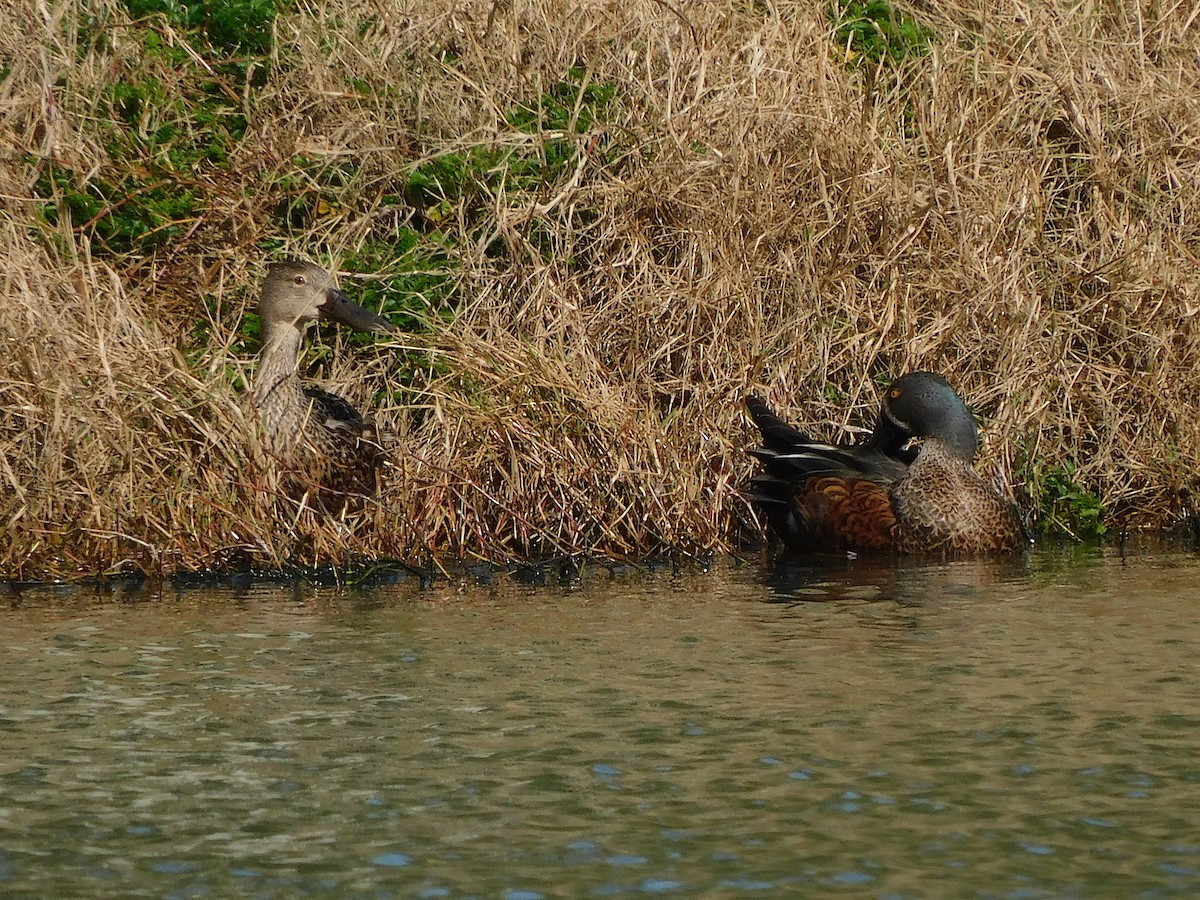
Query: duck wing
x=790 y=454
x=818 y=496
x=336 y=413
x=349 y=449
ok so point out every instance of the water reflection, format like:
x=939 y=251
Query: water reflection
x=1008 y=729
x=908 y=582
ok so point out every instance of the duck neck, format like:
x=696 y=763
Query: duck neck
x=953 y=450
x=278 y=395
x=960 y=435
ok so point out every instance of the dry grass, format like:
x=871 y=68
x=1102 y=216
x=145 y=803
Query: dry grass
x=1017 y=209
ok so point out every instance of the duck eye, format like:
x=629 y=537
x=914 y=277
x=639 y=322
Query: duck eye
x=300 y=279
x=895 y=394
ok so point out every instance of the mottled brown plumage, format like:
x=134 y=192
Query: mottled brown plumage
x=325 y=446
x=881 y=495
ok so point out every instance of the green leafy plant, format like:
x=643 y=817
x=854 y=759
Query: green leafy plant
x=417 y=281
x=119 y=217
x=159 y=139
x=228 y=25
x=559 y=117
x=1061 y=504
x=876 y=31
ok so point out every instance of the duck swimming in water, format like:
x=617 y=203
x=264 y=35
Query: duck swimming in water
x=323 y=440
x=882 y=495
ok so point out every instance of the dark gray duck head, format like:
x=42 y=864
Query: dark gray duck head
x=923 y=405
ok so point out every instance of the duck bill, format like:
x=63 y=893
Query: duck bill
x=888 y=437
x=340 y=308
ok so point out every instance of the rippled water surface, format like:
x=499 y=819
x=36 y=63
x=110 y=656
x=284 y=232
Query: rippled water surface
x=969 y=729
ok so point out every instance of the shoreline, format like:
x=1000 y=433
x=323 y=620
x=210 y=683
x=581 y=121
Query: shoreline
x=564 y=571
x=595 y=231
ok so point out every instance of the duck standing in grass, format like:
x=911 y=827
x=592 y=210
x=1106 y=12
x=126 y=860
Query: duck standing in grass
x=323 y=441
x=882 y=495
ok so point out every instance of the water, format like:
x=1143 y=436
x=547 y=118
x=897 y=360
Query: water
x=968 y=729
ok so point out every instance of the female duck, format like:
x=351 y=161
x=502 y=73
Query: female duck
x=882 y=495
x=318 y=436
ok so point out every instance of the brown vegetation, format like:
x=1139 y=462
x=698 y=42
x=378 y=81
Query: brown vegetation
x=754 y=208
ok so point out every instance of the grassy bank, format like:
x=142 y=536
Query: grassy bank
x=598 y=225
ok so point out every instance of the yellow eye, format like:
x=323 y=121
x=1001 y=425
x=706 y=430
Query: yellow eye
x=895 y=394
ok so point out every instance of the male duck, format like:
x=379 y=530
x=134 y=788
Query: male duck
x=319 y=436
x=882 y=495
